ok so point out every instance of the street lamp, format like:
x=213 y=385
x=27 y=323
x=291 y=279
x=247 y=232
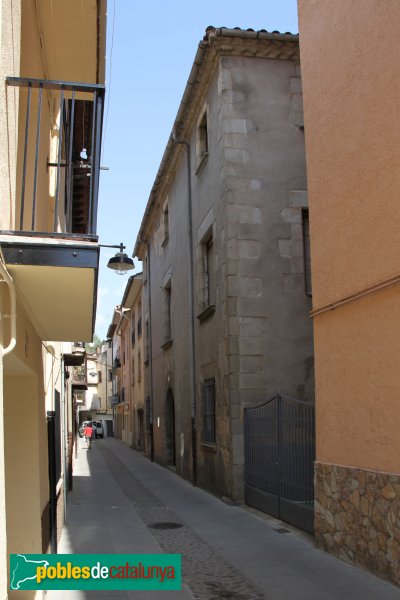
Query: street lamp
x=120 y=263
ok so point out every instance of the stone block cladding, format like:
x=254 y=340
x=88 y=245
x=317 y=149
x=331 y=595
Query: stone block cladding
x=357 y=517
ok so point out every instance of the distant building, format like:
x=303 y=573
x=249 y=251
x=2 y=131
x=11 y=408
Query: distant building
x=130 y=354
x=224 y=245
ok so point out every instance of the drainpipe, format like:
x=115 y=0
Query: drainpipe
x=51 y=435
x=13 y=306
x=192 y=307
x=147 y=243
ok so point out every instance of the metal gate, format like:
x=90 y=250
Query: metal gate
x=279 y=439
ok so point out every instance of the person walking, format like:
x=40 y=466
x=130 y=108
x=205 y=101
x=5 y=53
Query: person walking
x=88 y=434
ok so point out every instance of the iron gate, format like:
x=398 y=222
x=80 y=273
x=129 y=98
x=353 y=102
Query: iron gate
x=279 y=439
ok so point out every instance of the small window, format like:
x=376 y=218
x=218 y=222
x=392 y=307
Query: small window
x=202 y=142
x=306 y=253
x=208 y=411
x=206 y=291
x=166 y=224
x=133 y=371
x=99 y=374
x=110 y=377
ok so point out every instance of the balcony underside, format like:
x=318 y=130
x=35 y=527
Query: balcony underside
x=56 y=282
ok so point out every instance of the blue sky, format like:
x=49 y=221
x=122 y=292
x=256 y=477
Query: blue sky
x=150 y=50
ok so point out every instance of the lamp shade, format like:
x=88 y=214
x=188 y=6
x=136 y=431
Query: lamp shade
x=120 y=263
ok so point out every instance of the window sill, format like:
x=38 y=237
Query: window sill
x=206 y=313
x=202 y=163
x=166 y=345
x=208 y=446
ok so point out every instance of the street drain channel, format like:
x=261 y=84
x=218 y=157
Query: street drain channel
x=165 y=525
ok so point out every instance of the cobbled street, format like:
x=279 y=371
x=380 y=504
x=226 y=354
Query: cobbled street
x=123 y=503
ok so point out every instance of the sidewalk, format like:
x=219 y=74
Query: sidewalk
x=123 y=503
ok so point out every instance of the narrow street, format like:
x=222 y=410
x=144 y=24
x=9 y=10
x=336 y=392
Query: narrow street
x=122 y=503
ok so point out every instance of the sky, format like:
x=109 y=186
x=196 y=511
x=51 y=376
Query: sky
x=150 y=51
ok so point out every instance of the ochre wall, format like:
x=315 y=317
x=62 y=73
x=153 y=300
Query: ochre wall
x=349 y=53
x=357 y=350
x=349 y=57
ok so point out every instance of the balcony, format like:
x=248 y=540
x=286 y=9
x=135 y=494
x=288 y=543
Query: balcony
x=79 y=378
x=48 y=235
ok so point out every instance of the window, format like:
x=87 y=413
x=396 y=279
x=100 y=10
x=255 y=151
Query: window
x=99 y=374
x=206 y=295
x=133 y=371
x=202 y=142
x=306 y=253
x=166 y=224
x=110 y=378
x=208 y=411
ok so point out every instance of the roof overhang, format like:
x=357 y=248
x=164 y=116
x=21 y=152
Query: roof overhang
x=56 y=282
x=73 y=37
x=76 y=359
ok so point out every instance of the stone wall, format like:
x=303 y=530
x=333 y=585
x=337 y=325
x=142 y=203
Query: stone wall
x=357 y=517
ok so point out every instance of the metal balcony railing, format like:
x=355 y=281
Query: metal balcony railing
x=58 y=180
x=79 y=375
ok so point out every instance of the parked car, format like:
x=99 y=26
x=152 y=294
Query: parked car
x=98 y=428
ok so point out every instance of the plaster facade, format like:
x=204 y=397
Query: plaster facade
x=350 y=82
x=35 y=37
x=223 y=257
x=129 y=335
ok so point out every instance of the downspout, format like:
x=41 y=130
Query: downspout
x=150 y=353
x=13 y=307
x=192 y=307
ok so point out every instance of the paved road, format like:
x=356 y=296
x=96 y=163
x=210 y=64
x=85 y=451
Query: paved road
x=122 y=503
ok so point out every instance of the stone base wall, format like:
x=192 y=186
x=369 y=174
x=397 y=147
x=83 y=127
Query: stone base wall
x=357 y=517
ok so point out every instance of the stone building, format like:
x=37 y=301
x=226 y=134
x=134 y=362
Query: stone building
x=351 y=89
x=225 y=272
